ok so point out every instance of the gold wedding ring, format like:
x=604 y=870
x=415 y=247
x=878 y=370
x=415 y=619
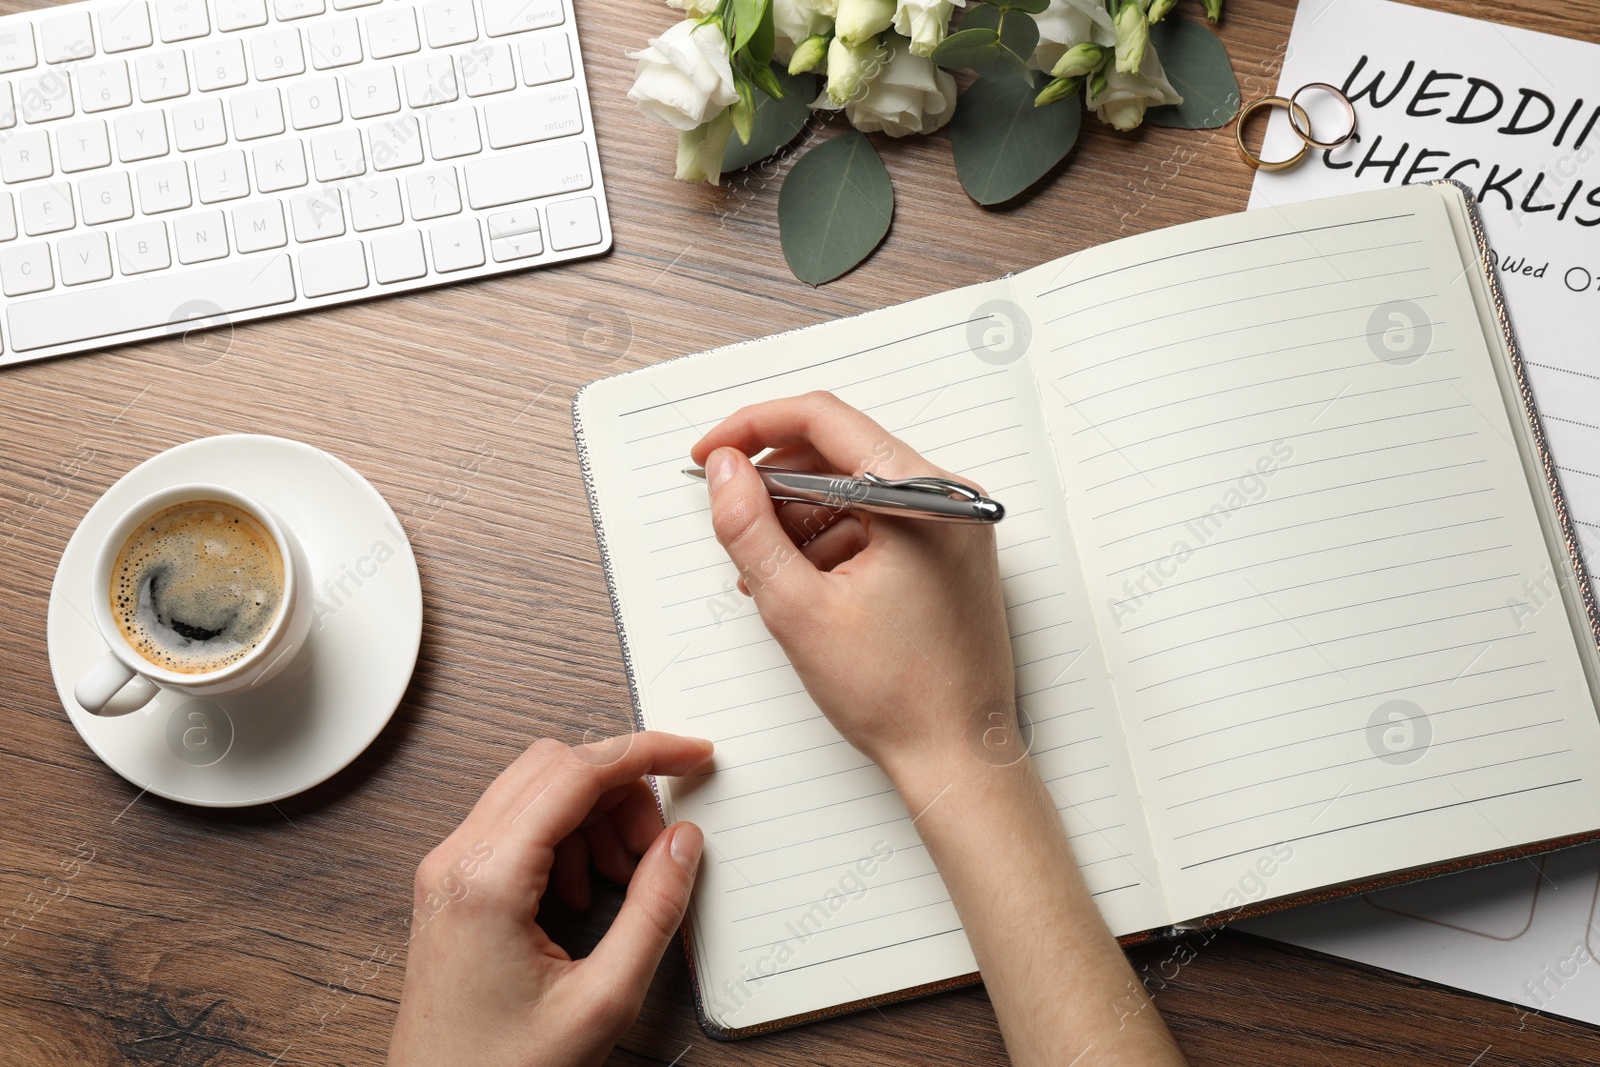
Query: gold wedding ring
x=1294 y=110
x=1305 y=134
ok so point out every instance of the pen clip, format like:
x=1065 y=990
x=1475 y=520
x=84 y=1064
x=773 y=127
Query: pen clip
x=927 y=484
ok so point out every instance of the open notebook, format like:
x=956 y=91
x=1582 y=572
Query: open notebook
x=1292 y=592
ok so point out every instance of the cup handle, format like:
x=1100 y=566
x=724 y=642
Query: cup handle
x=104 y=680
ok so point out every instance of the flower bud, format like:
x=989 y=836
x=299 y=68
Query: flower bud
x=861 y=19
x=851 y=67
x=808 y=53
x=1085 y=58
x=1158 y=10
x=700 y=150
x=1133 y=37
x=1057 y=89
x=1214 y=10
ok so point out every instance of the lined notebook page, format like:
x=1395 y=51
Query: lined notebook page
x=815 y=889
x=1311 y=548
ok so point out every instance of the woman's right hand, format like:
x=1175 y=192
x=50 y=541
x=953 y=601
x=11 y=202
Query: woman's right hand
x=896 y=626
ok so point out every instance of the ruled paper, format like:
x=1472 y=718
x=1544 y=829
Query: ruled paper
x=815 y=889
x=1311 y=547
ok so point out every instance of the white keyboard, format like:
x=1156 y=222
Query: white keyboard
x=173 y=164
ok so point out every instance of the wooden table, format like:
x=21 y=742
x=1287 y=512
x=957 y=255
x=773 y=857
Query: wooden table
x=277 y=934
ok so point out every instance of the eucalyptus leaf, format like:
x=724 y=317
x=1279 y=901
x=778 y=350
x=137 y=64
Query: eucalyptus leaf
x=1002 y=143
x=835 y=208
x=967 y=47
x=777 y=121
x=1032 y=7
x=1197 y=65
x=1017 y=34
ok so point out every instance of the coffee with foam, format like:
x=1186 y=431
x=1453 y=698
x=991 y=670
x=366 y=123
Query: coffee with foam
x=197 y=586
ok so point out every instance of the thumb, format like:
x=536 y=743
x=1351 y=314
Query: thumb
x=658 y=895
x=746 y=524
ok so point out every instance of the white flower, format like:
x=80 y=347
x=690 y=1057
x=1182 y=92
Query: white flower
x=700 y=150
x=850 y=67
x=1066 y=23
x=684 y=78
x=910 y=96
x=925 y=21
x=795 y=20
x=1121 y=102
x=695 y=9
x=860 y=19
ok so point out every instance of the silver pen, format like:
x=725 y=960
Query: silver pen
x=936 y=499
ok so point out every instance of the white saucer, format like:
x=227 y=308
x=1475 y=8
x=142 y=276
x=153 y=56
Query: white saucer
x=309 y=723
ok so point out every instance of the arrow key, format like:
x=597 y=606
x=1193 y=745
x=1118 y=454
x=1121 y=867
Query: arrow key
x=457 y=245
x=573 y=223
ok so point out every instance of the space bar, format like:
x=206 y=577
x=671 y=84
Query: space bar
x=150 y=302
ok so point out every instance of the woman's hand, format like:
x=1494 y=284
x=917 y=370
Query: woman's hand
x=485 y=986
x=896 y=626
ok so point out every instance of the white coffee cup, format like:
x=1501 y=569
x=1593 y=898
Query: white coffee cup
x=122 y=663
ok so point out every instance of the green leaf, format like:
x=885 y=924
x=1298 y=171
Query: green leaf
x=764 y=40
x=1032 y=7
x=835 y=208
x=747 y=15
x=1017 y=34
x=1002 y=143
x=1198 y=67
x=777 y=121
x=967 y=47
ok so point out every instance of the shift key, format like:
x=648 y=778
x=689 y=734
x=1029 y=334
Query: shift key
x=527 y=117
x=527 y=174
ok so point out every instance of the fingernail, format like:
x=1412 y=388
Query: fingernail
x=721 y=470
x=686 y=846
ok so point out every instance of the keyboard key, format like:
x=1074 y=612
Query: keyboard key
x=46 y=208
x=103 y=86
x=257 y=113
x=83 y=146
x=453 y=131
x=501 y=17
x=280 y=165
x=141 y=135
x=430 y=81
x=66 y=37
x=105 y=198
x=200 y=237
x=527 y=174
x=198 y=124
x=574 y=223
x=142 y=248
x=336 y=43
x=25 y=269
x=337 y=154
x=181 y=20
x=519 y=246
x=163 y=187
x=337 y=268
x=259 y=226
x=221 y=176
x=8 y=219
x=376 y=204
x=219 y=64
x=457 y=245
x=313 y=103
x=125 y=26
x=392 y=32
x=161 y=76
x=288 y=10
x=433 y=193
x=149 y=303
x=546 y=57
x=240 y=14
x=371 y=92
x=276 y=54
x=8 y=107
x=85 y=257
x=346 y=5
x=25 y=155
x=536 y=115
x=45 y=97
x=449 y=22
x=396 y=143
x=486 y=69
x=316 y=216
x=511 y=223
x=16 y=47
x=397 y=256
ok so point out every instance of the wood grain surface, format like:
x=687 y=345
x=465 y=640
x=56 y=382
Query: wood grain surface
x=276 y=935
